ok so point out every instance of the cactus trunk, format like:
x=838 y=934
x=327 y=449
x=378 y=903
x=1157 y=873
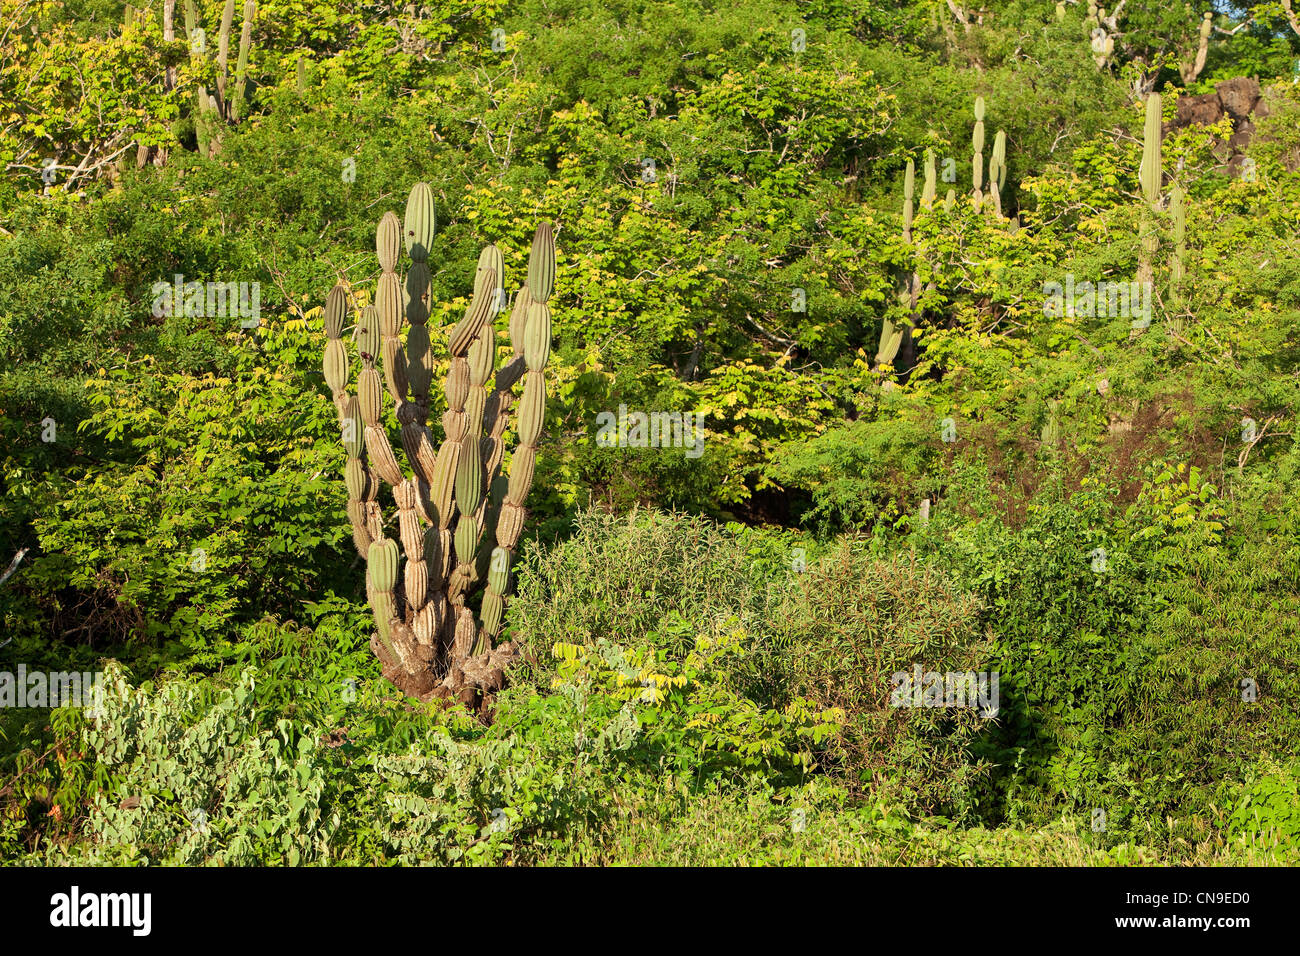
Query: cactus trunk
x=1150 y=176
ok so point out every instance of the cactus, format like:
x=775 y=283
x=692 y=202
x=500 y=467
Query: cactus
x=977 y=159
x=998 y=171
x=228 y=105
x=459 y=518
x=893 y=336
x=890 y=340
x=1050 y=436
x=238 y=97
x=1150 y=176
x=223 y=51
x=1100 y=29
x=1150 y=173
x=928 y=190
x=1192 y=71
x=909 y=190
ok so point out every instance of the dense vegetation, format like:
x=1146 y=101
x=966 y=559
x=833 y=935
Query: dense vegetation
x=1103 y=513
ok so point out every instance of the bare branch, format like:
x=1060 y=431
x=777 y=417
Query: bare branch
x=13 y=565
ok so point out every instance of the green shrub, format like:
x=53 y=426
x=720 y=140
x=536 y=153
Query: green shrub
x=846 y=628
x=1268 y=812
x=633 y=578
x=832 y=632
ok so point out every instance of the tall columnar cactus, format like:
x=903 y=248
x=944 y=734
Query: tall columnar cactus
x=977 y=159
x=227 y=105
x=1050 y=436
x=1101 y=29
x=1190 y=72
x=998 y=171
x=909 y=191
x=459 y=519
x=237 y=98
x=1150 y=176
x=929 y=189
x=891 y=335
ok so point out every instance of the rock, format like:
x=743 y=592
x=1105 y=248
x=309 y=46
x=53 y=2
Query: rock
x=1199 y=110
x=1267 y=103
x=1242 y=132
x=1238 y=96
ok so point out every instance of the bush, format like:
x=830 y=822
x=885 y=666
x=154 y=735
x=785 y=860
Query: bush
x=832 y=632
x=847 y=627
x=1268 y=812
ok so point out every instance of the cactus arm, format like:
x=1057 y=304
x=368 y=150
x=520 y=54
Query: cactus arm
x=389 y=305
x=928 y=191
x=450 y=475
x=998 y=171
x=890 y=340
x=536 y=334
x=1151 y=165
x=977 y=158
x=496 y=414
x=361 y=483
x=419 y=227
x=223 y=56
x=471 y=474
x=1151 y=178
x=1190 y=74
x=191 y=24
x=240 y=93
x=381 y=578
x=909 y=190
x=891 y=334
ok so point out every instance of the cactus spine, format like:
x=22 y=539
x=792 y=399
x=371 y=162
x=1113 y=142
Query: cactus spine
x=458 y=525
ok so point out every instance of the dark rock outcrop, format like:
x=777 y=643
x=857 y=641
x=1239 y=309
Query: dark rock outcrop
x=1239 y=99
